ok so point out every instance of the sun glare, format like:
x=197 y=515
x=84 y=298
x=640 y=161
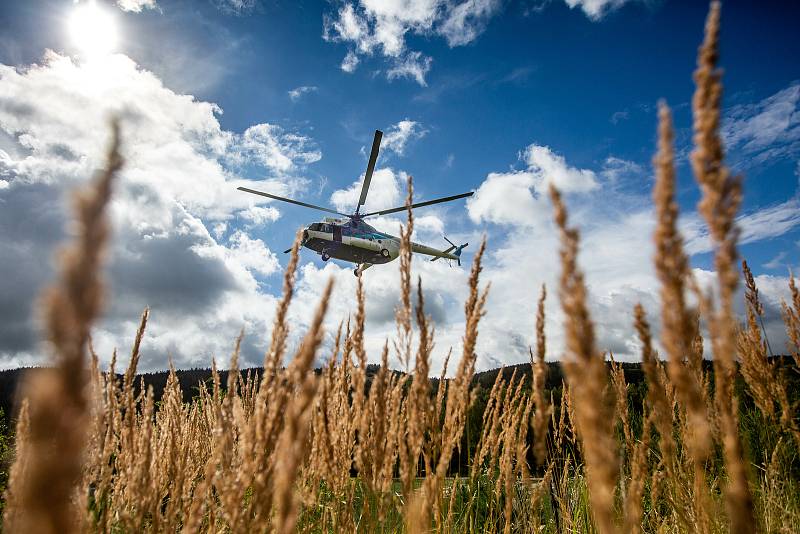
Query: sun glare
x=93 y=29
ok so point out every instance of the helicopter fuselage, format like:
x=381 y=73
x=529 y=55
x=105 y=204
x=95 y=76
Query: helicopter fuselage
x=352 y=241
x=360 y=243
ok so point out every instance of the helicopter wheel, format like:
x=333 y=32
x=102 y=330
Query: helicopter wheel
x=325 y=256
x=384 y=253
x=356 y=272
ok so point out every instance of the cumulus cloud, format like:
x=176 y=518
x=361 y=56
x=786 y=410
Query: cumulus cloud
x=617 y=169
x=381 y=26
x=519 y=197
x=257 y=216
x=276 y=149
x=616 y=253
x=551 y=168
x=252 y=254
x=398 y=135
x=298 y=92
x=505 y=198
x=171 y=210
x=414 y=65
x=350 y=62
x=464 y=21
x=596 y=9
x=136 y=6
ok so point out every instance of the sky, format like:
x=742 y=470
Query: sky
x=500 y=97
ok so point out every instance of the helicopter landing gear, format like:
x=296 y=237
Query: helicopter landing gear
x=356 y=272
x=384 y=253
x=325 y=256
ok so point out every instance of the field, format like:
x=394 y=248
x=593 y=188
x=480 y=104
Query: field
x=694 y=447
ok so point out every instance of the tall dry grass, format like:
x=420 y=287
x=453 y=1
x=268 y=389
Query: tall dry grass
x=343 y=450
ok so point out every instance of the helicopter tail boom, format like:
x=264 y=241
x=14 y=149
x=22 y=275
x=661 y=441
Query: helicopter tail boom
x=453 y=252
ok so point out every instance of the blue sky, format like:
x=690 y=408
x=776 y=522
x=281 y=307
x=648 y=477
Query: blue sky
x=500 y=97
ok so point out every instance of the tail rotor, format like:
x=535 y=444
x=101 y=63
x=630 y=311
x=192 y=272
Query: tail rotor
x=453 y=249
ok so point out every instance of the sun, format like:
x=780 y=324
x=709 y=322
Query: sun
x=93 y=29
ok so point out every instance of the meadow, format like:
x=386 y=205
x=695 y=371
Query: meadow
x=704 y=445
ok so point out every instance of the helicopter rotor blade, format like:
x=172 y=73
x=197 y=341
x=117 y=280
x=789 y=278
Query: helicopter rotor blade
x=373 y=158
x=290 y=201
x=445 y=238
x=420 y=204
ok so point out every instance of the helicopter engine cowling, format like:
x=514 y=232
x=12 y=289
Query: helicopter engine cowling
x=366 y=244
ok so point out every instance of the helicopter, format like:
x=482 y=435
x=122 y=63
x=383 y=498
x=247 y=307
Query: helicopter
x=350 y=239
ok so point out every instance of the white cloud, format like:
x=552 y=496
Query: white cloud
x=136 y=6
x=252 y=254
x=296 y=93
x=350 y=62
x=596 y=9
x=769 y=129
x=619 y=116
x=777 y=262
x=413 y=65
x=520 y=197
x=349 y=26
x=258 y=216
x=277 y=149
x=505 y=198
x=464 y=21
x=764 y=223
x=617 y=169
x=769 y=222
x=552 y=168
x=219 y=229
x=398 y=135
x=382 y=25
x=616 y=255
x=429 y=225
x=173 y=204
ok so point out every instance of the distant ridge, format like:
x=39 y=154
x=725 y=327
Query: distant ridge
x=190 y=379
